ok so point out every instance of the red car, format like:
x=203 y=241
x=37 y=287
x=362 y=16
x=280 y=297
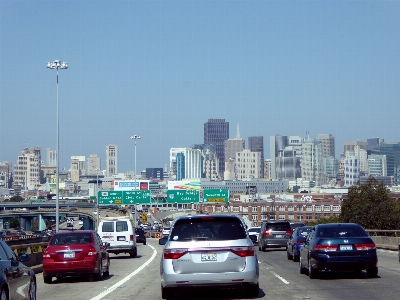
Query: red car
x=75 y=253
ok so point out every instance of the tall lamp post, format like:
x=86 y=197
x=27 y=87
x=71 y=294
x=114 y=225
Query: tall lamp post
x=97 y=198
x=57 y=64
x=135 y=137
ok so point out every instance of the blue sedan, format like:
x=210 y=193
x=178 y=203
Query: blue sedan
x=296 y=241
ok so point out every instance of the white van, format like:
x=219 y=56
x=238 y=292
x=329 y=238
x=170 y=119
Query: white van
x=120 y=233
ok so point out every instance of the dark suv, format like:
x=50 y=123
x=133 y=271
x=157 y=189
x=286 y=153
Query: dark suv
x=140 y=236
x=274 y=234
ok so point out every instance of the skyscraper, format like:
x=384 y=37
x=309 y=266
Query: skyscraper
x=392 y=152
x=327 y=144
x=93 y=165
x=27 y=171
x=216 y=131
x=111 y=160
x=51 y=158
x=256 y=144
x=312 y=168
x=279 y=143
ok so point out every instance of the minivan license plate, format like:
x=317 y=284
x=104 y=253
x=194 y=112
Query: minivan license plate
x=209 y=257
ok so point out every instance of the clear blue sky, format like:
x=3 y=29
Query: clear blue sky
x=161 y=69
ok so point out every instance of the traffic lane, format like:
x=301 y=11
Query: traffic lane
x=279 y=276
x=121 y=266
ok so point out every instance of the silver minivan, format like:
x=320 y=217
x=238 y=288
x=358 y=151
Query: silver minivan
x=209 y=251
x=274 y=234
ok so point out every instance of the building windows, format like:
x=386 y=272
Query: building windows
x=282 y=217
x=317 y=207
x=254 y=217
x=309 y=208
x=290 y=208
x=254 y=209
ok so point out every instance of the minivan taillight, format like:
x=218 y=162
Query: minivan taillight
x=289 y=232
x=174 y=253
x=243 y=251
x=267 y=232
x=131 y=237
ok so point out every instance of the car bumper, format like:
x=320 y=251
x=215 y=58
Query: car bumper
x=347 y=263
x=70 y=269
x=274 y=243
x=171 y=279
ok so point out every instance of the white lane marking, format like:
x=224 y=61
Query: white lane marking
x=279 y=277
x=118 y=284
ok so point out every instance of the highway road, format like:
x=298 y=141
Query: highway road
x=138 y=278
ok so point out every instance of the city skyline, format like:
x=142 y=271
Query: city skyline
x=161 y=69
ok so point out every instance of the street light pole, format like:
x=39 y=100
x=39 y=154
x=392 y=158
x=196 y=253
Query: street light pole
x=135 y=137
x=97 y=197
x=57 y=64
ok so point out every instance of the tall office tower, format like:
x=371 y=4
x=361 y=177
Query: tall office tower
x=331 y=167
x=5 y=174
x=216 y=131
x=93 y=165
x=349 y=146
x=248 y=164
x=287 y=164
x=351 y=170
x=111 y=160
x=173 y=152
x=256 y=144
x=327 y=144
x=362 y=156
x=51 y=158
x=374 y=145
x=392 y=152
x=312 y=168
x=279 y=143
x=189 y=164
x=377 y=165
x=27 y=171
x=77 y=167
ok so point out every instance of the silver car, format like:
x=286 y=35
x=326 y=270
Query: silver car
x=209 y=251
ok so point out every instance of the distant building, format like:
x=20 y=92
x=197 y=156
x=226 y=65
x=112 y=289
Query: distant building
x=312 y=168
x=377 y=165
x=349 y=146
x=51 y=158
x=327 y=144
x=374 y=146
x=216 y=131
x=93 y=165
x=256 y=144
x=331 y=167
x=351 y=170
x=111 y=160
x=392 y=152
x=5 y=174
x=248 y=164
x=77 y=167
x=155 y=173
x=189 y=164
x=27 y=171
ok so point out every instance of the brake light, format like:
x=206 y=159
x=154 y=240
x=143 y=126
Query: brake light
x=365 y=246
x=243 y=251
x=325 y=247
x=174 y=253
x=267 y=232
x=92 y=251
x=46 y=254
x=289 y=232
x=131 y=237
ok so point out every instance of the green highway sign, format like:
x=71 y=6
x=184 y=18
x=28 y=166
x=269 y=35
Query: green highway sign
x=124 y=197
x=183 y=196
x=109 y=197
x=136 y=197
x=216 y=195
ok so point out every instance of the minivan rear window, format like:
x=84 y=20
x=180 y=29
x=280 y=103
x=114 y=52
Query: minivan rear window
x=215 y=229
x=278 y=227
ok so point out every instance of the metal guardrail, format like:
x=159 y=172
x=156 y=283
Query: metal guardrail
x=374 y=232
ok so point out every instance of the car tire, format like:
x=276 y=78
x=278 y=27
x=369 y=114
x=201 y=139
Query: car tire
x=144 y=242
x=3 y=293
x=302 y=270
x=294 y=256
x=312 y=273
x=167 y=293
x=32 y=290
x=107 y=273
x=252 y=290
x=97 y=276
x=47 y=279
x=372 y=272
x=133 y=254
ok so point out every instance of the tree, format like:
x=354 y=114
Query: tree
x=371 y=206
